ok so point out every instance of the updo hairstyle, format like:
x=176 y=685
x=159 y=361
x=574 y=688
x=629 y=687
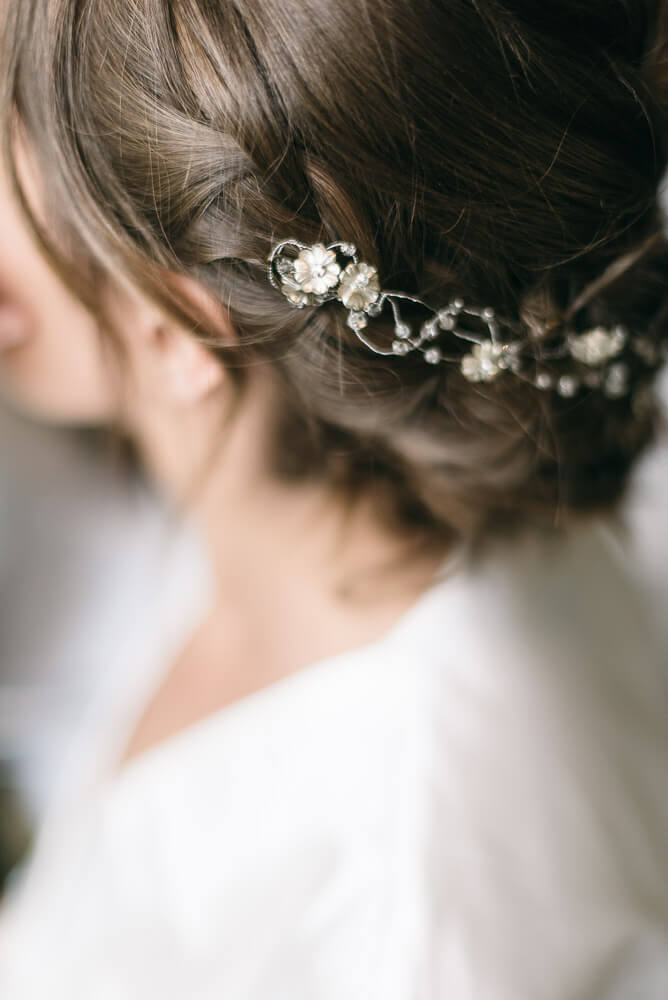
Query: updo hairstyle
x=508 y=151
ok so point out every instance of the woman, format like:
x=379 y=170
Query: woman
x=404 y=734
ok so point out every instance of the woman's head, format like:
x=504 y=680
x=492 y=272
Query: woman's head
x=510 y=152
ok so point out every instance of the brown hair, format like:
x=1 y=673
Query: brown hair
x=508 y=151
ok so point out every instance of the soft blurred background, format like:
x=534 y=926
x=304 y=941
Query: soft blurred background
x=79 y=536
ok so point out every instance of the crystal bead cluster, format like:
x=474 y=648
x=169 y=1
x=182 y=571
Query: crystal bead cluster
x=315 y=276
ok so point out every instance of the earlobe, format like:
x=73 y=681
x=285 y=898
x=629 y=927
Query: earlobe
x=190 y=371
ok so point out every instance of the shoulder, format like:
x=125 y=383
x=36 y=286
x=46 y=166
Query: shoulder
x=545 y=748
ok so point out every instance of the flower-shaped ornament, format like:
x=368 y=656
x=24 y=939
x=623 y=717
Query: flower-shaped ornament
x=359 y=286
x=596 y=346
x=316 y=270
x=487 y=359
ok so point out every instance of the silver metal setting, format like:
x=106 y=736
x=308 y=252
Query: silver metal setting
x=314 y=275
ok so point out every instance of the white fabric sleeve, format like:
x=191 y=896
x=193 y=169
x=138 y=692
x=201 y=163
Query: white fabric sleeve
x=546 y=859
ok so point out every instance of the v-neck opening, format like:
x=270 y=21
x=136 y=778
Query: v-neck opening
x=115 y=771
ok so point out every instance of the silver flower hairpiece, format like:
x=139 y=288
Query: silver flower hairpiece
x=315 y=276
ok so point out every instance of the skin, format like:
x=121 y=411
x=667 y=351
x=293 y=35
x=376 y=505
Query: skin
x=45 y=334
x=283 y=598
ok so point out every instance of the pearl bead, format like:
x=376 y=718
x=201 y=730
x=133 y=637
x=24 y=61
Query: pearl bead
x=567 y=385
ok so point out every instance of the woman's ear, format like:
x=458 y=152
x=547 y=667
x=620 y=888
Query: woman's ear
x=190 y=368
x=171 y=362
x=203 y=304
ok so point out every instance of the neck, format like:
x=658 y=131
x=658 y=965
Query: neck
x=275 y=545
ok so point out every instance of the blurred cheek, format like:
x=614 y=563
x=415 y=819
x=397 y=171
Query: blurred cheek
x=60 y=372
x=53 y=362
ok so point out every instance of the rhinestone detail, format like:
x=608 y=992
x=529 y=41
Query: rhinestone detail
x=567 y=385
x=356 y=320
x=615 y=383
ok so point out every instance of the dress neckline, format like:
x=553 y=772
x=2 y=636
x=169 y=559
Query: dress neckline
x=114 y=771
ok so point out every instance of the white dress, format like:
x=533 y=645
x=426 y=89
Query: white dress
x=473 y=807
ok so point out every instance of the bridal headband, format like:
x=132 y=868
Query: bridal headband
x=313 y=275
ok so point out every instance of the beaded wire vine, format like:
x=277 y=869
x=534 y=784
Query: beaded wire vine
x=315 y=276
